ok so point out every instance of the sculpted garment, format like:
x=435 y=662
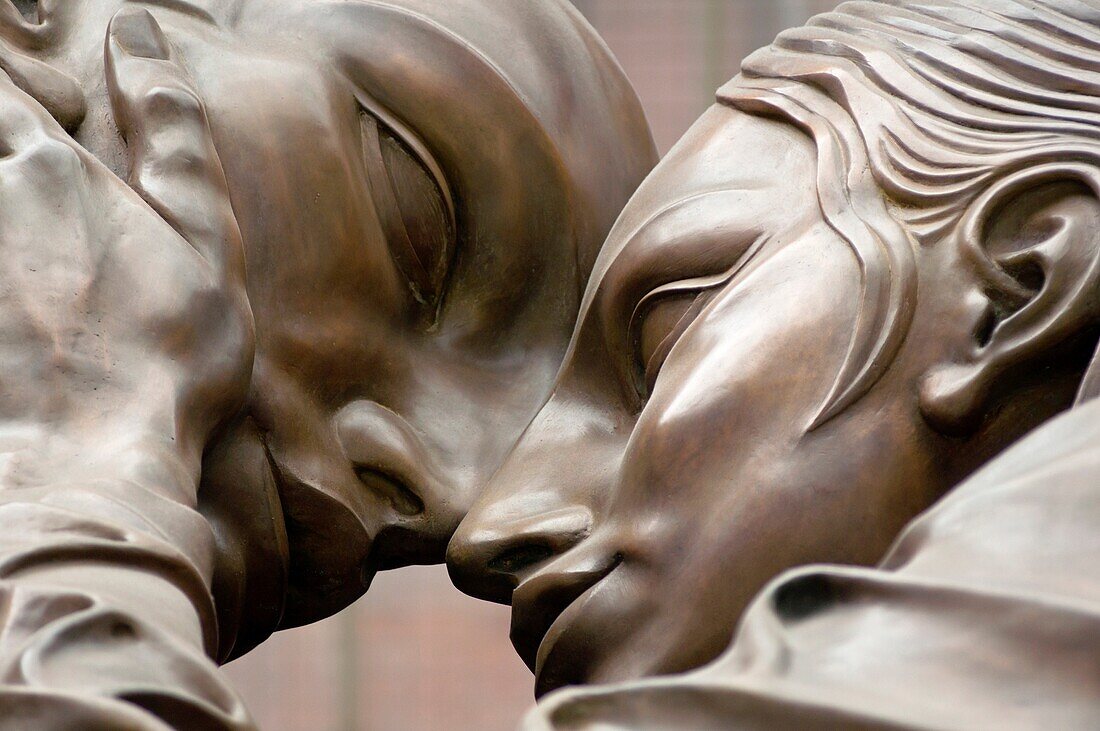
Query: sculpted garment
x=985 y=614
x=109 y=383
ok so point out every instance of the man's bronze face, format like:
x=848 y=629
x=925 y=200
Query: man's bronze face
x=419 y=219
x=413 y=286
x=366 y=393
x=675 y=469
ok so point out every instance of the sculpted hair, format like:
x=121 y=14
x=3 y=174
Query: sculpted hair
x=918 y=108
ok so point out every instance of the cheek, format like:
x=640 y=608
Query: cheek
x=743 y=384
x=299 y=189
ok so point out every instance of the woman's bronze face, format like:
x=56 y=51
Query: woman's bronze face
x=673 y=470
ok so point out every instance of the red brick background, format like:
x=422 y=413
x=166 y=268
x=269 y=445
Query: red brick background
x=414 y=654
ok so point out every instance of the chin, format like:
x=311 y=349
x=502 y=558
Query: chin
x=580 y=655
x=560 y=672
x=569 y=653
x=592 y=657
x=600 y=668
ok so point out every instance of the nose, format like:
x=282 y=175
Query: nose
x=418 y=505
x=545 y=499
x=494 y=550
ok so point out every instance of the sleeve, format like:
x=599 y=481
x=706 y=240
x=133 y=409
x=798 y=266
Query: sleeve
x=106 y=616
x=985 y=614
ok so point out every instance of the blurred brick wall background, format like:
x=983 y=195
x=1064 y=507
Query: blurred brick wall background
x=678 y=52
x=414 y=654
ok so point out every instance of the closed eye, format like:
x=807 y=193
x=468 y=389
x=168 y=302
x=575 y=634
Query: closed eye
x=666 y=313
x=658 y=330
x=414 y=207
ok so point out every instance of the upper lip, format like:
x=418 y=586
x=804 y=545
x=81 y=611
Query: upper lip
x=540 y=601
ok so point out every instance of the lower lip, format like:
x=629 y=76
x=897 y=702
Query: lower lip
x=564 y=621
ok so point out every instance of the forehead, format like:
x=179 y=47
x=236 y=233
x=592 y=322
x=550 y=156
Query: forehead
x=727 y=148
x=522 y=106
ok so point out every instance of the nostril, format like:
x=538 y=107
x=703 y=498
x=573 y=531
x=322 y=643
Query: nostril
x=494 y=550
x=390 y=458
x=403 y=500
x=515 y=560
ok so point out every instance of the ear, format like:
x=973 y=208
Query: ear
x=1033 y=243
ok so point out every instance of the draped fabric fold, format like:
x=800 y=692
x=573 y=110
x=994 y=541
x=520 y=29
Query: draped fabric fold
x=106 y=618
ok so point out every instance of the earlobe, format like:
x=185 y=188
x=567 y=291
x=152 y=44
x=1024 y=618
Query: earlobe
x=952 y=398
x=1032 y=245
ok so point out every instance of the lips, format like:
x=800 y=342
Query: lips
x=345 y=529
x=330 y=558
x=364 y=496
x=239 y=498
x=545 y=605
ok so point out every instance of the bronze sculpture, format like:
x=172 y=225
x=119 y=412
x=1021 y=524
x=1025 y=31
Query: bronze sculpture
x=419 y=190
x=865 y=272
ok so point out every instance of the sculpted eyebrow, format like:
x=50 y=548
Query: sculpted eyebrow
x=694 y=256
x=681 y=243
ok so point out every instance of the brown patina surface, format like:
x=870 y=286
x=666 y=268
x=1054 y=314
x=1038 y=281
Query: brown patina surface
x=283 y=282
x=868 y=270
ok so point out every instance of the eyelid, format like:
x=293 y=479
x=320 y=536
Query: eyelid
x=423 y=261
x=702 y=287
x=652 y=367
x=413 y=142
